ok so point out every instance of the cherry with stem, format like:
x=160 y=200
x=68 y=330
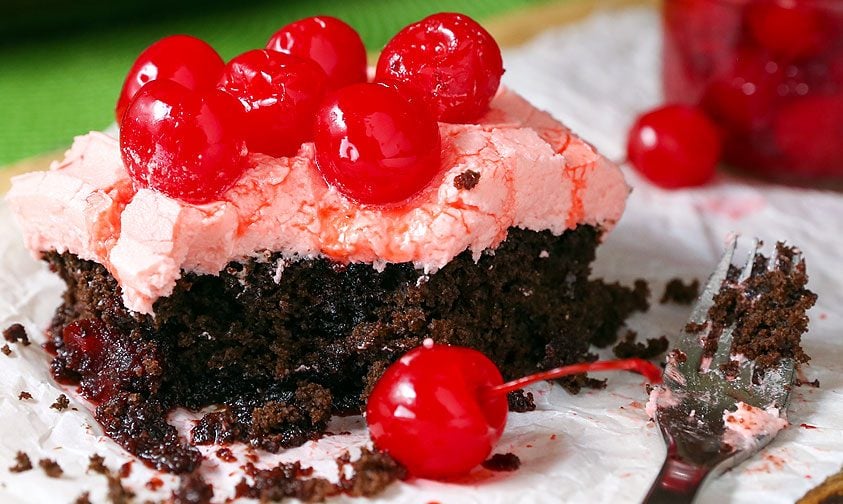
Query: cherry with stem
x=440 y=409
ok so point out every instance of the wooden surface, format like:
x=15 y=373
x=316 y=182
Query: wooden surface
x=509 y=30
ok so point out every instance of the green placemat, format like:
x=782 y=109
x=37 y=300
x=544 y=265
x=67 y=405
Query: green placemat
x=51 y=91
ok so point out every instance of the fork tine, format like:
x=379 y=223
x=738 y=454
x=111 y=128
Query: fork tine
x=724 y=344
x=690 y=342
x=712 y=287
x=746 y=271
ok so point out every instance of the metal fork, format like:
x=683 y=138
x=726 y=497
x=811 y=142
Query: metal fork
x=692 y=423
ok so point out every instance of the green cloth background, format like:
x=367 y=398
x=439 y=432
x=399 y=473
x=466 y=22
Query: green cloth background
x=56 y=88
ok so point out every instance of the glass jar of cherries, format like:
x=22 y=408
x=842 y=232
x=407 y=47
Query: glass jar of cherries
x=770 y=73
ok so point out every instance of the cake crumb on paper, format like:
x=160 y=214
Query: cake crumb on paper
x=520 y=401
x=676 y=291
x=16 y=333
x=84 y=498
x=117 y=493
x=22 y=463
x=96 y=463
x=6 y=350
x=506 y=462
x=628 y=347
x=61 y=404
x=51 y=468
x=24 y=395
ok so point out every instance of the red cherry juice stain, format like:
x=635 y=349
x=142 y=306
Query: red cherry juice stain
x=126 y=469
x=226 y=455
x=731 y=207
x=529 y=446
x=553 y=437
x=776 y=462
x=472 y=478
x=636 y=405
x=154 y=484
x=251 y=457
x=823 y=316
x=807 y=426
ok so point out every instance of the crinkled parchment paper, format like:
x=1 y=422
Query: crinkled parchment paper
x=594 y=447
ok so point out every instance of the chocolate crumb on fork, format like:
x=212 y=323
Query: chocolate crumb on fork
x=724 y=384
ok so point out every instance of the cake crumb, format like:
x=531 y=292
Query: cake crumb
x=467 y=180
x=85 y=498
x=502 y=462
x=520 y=401
x=22 y=463
x=815 y=383
x=96 y=463
x=767 y=312
x=117 y=493
x=6 y=350
x=51 y=468
x=730 y=369
x=628 y=347
x=61 y=404
x=678 y=292
x=24 y=395
x=16 y=333
x=193 y=490
x=372 y=472
x=695 y=327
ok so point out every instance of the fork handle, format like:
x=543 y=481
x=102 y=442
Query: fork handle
x=677 y=482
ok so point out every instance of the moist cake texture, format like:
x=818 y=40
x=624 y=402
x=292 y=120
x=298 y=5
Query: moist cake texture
x=283 y=302
x=283 y=356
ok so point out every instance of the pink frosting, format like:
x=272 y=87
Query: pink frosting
x=534 y=174
x=748 y=423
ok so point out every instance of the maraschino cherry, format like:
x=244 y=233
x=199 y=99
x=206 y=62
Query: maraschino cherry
x=787 y=29
x=187 y=60
x=328 y=41
x=439 y=409
x=185 y=144
x=454 y=61
x=280 y=94
x=375 y=146
x=675 y=146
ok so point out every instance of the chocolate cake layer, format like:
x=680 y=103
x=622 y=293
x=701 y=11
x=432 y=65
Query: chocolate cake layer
x=282 y=344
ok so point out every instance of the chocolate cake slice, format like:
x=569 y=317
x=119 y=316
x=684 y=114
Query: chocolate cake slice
x=283 y=301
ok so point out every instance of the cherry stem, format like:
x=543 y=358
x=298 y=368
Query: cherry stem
x=640 y=366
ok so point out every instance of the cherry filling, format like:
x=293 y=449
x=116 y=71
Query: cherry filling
x=108 y=361
x=439 y=409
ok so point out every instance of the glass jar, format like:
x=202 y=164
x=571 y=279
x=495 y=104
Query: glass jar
x=770 y=73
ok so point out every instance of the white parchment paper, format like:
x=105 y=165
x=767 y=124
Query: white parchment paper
x=594 y=447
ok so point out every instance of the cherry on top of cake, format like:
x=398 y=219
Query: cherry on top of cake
x=188 y=121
